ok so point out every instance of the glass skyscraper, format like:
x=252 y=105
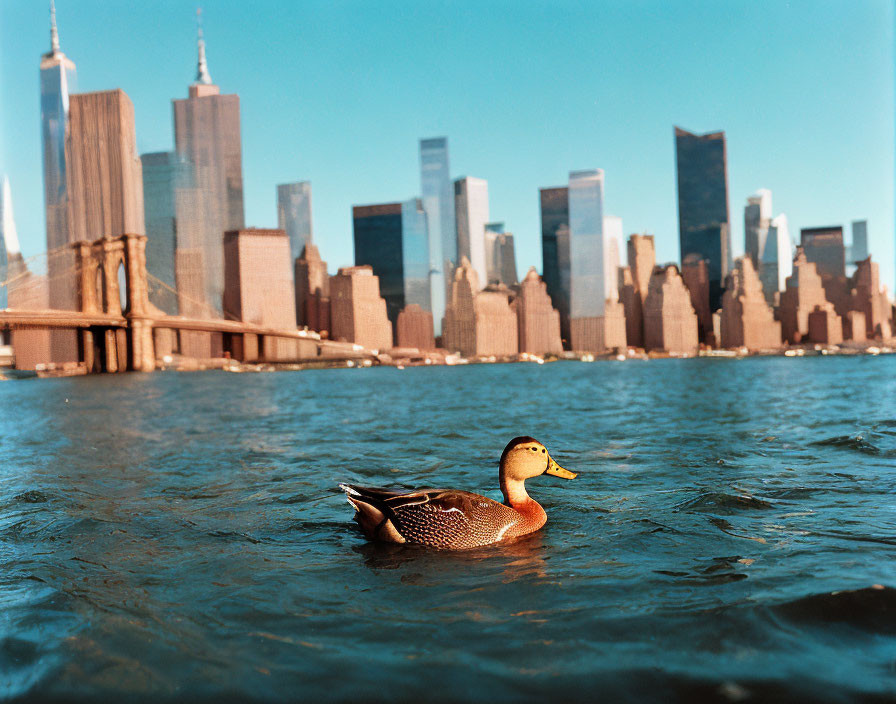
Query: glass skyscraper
x=613 y=237
x=377 y=234
x=471 y=204
x=167 y=200
x=824 y=246
x=757 y=219
x=703 y=221
x=777 y=259
x=415 y=253
x=392 y=238
x=555 y=249
x=58 y=79
x=587 y=290
x=294 y=215
x=438 y=204
x=9 y=243
x=858 y=251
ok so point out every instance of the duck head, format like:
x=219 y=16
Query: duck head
x=522 y=459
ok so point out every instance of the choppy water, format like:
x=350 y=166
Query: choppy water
x=178 y=536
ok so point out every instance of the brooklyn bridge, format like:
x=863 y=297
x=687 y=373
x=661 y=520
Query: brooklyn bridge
x=113 y=326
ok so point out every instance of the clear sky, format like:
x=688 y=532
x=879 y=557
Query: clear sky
x=340 y=91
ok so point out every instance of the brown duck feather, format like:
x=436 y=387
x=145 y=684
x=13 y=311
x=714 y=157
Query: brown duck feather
x=441 y=518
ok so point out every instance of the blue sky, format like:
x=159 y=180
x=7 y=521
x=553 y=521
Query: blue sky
x=339 y=92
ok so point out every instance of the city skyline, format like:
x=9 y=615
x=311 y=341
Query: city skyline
x=477 y=149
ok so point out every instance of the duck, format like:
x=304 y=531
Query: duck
x=452 y=519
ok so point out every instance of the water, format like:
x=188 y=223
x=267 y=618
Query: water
x=179 y=536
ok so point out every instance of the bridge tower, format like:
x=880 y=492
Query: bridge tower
x=98 y=263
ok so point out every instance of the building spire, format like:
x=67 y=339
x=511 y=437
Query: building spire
x=202 y=74
x=54 y=33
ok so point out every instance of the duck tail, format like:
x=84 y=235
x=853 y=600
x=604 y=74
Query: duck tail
x=372 y=513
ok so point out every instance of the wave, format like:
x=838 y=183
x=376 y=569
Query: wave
x=32 y=497
x=718 y=502
x=871 y=609
x=852 y=442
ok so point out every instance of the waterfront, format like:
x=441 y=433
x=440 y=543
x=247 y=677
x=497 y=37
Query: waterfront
x=180 y=536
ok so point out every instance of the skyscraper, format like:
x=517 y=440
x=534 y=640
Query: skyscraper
x=776 y=263
x=358 y=310
x=703 y=221
x=500 y=256
x=555 y=249
x=538 y=322
x=58 y=79
x=612 y=256
x=803 y=294
x=10 y=256
x=294 y=214
x=438 y=204
x=596 y=321
x=670 y=323
x=415 y=254
x=471 y=206
x=312 y=290
x=377 y=239
x=478 y=323
x=587 y=290
x=169 y=201
x=634 y=281
x=859 y=249
x=105 y=178
x=747 y=320
x=757 y=219
x=392 y=239
x=207 y=133
x=258 y=270
x=824 y=247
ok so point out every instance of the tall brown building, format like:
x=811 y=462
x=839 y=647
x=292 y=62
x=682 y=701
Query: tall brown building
x=633 y=284
x=537 y=320
x=104 y=183
x=695 y=273
x=105 y=180
x=312 y=290
x=258 y=285
x=357 y=309
x=207 y=133
x=599 y=334
x=414 y=328
x=459 y=325
x=747 y=319
x=28 y=291
x=478 y=324
x=670 y=323
x=802 y=295
x=870 y=299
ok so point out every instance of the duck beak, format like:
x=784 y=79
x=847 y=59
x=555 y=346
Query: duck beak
x=558 y=471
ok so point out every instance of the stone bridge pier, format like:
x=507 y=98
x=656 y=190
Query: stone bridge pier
x=102 y=265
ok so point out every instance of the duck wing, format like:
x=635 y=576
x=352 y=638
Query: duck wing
x=443 y=518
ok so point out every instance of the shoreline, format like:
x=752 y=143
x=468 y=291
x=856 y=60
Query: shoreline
x=416 y=358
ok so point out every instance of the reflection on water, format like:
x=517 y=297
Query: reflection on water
x=180 y=536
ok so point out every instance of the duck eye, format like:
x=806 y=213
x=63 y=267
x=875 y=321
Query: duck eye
x=543 y=450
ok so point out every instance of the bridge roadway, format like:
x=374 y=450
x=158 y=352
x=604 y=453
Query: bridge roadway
x=12 y=319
